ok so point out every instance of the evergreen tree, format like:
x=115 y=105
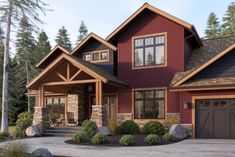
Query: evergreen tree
x=62 y=38
x=43 y=46
x=213 y=27
x=82 y=32
x=25 y=58
x=228 y=26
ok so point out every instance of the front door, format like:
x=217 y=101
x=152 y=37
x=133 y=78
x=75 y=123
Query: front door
x=109 y=101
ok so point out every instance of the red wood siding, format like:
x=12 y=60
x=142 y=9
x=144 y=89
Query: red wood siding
x=186 y=114
x=150 y=23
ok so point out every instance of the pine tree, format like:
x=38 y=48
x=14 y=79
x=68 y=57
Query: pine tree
x=228 y=26
x=43 y=46
x=213 y=28
x=25 y=57
x=12 y=12
x=82 y=32
x=62 y=38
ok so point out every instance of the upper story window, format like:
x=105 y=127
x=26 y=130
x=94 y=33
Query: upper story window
x=96 y=56
x=149 y=51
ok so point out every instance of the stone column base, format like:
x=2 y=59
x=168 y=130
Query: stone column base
x=41 y=118
x=99 y=115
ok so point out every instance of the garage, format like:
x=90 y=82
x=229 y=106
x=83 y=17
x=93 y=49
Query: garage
x=215 y=118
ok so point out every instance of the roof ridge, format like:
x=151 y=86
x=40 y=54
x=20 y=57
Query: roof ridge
x=221 y=37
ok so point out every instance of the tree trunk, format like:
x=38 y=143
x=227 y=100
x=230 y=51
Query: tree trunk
x=4 y=124
x=27 y=76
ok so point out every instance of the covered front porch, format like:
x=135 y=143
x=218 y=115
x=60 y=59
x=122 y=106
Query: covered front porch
x=71 y=90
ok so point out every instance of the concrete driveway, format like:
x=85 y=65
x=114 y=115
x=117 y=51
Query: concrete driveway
x=187 y=148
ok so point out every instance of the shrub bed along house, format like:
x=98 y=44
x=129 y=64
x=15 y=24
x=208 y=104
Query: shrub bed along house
x=129 y=134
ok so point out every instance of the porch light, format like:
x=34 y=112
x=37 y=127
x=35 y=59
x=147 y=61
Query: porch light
x=187 y=105
x=90 y=88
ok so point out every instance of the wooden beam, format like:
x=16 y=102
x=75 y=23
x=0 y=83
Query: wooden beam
x=61 y=76
x=41 y=96
x=68 y=71
x=75 y=75
x=70 y=82
x=100 y=93
x=97 y=93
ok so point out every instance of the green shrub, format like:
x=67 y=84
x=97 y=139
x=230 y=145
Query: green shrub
x=15 y=149
x=151 y=139
x=127 y=140
x=168 y=137
x=4 y=137
x=99 y=139
x=128 y=127
x=154 y=127
x=24 y=120
x=80 y=137
x=89 y=128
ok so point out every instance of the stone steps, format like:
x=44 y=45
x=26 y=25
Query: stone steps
x=61 y=131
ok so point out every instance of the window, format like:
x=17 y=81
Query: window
x=55 y=101
x=149 y=51
x=96 y=56
x=87 y=57
x=104 y=55
x=149 y=104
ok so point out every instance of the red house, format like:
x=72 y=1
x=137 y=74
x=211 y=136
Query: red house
x=154 y=66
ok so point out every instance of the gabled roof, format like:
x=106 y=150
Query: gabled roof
x=96 y=37
x=182 y=77
x=50 y=54
x=186 y=25
x=92 y=69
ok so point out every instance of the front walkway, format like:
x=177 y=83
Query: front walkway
x=187 y=148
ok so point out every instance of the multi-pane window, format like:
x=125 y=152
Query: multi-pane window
x=149 y=51
x=96 y=56
x=149 y=104
x=52 y=101
x=104 y=55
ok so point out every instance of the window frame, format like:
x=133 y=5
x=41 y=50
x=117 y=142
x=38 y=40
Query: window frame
x=154 y=47
x=149 y=89
x=100 y=56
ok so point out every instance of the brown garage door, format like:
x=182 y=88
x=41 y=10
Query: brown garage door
x=215 y=118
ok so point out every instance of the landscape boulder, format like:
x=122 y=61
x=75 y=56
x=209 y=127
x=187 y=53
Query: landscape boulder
x=104 y=130
x=178 y=131
x=41 y=152
x=33 y=131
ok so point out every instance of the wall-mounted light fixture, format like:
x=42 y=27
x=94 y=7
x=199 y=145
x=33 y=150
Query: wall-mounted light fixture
x=187 y=105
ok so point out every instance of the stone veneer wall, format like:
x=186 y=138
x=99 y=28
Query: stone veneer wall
x=41 y=118
x=121 y=117
x=99 y=115
x=76 y=105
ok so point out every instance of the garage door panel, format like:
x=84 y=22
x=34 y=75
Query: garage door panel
x=204 y=125
x=221 y=123
x=232 y=124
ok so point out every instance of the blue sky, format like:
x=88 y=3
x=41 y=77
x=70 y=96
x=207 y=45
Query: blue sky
x=103 y=16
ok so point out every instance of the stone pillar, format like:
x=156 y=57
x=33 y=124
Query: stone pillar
x=99 y=115
x=76 y=105
x=41 y=118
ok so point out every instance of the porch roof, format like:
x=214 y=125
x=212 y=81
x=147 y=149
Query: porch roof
x=93 y=70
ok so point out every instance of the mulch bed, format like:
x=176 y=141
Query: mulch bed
x=114 y=141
